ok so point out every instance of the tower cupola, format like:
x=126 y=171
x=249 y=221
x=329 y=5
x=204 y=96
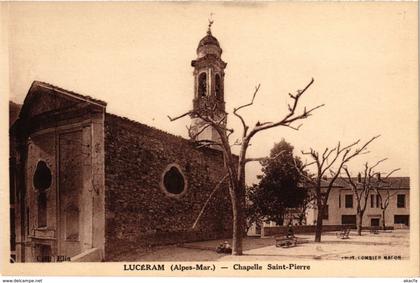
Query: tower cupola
x=209 y=45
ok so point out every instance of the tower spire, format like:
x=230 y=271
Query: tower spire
x=211 y=21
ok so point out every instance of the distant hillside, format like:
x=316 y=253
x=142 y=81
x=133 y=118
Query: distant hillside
x=14 y=110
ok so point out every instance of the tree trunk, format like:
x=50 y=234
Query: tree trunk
x=238 y=217
x=237 y=231
x=318 y=229
x=238 y=207
x=359 y=220
x=237 y=193
x=383 y=219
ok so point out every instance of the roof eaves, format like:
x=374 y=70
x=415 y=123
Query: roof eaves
x=71 y=93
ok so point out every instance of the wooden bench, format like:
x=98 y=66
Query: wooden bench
x=344 y=233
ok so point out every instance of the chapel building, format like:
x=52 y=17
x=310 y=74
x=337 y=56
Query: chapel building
x=88 y=185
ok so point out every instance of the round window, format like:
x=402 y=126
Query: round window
x=174 y=181
x=42 y=176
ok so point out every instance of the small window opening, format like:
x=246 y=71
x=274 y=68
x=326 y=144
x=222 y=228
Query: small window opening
x=218 y=87
x=202 y=84
x=42 y=209
x=42 y=181
x=42 y=176
x=173 y=181
x=400 y=201
x=349 y=201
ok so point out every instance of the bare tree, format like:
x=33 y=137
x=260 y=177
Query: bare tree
x=329 y=161
x=307 y=203
x=252 y=212
x=383 y=190
x=236 y=166
x=366 y=182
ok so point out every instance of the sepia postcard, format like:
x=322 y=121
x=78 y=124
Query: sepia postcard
x=263 y=139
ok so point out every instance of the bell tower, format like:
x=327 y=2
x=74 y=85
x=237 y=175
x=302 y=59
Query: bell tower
x=209 y=98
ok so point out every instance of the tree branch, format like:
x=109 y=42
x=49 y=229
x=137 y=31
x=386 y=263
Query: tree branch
x=377 y=163
x=290 y=117
x=265 y=158
x=390 y=173
x=360 y=150
x=193 y=136
x=180 y=116
x=235 y=111
x=205 y=143
x=303 y=174
x=208 y=200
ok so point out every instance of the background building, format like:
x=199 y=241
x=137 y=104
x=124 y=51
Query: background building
x=341 y=209
x=342 y=205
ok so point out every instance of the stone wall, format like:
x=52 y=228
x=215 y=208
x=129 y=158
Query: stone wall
x=138 y=212
x=303 y=229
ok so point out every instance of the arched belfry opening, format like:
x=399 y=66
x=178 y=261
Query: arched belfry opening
x=202 y=85
x=218 y=87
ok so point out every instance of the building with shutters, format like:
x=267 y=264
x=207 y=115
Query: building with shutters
x=341 y=210
x=390 y=203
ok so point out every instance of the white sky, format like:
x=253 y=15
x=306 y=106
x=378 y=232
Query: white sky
x=136 y=57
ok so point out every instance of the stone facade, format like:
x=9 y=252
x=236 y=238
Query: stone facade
x=138 y=210
x=57 y=174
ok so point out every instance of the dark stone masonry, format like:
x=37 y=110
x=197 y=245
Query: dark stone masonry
x=138 y=209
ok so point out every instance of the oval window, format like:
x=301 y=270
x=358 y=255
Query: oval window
x=173 y=180
x=42 y=176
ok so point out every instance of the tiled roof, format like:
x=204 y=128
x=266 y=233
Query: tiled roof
x=143 y=127
x=392 y=182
